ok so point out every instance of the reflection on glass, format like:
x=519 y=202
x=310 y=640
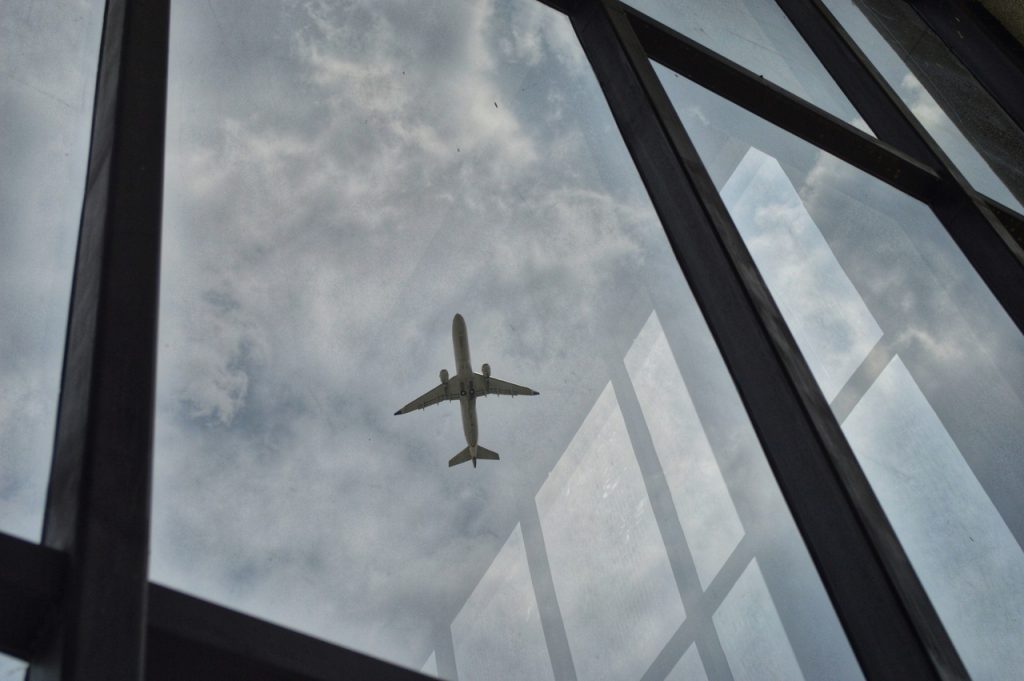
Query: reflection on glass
x=930 y=492
x=833 y=324
x=430 y=666
x=752 y=634
x=48 y=55
x=757 y=36
x=600 y=530
x=934 y=411
x=699 y=492
x=954 y=108
x=689 y=667
x=340 y=182
x=498 y=634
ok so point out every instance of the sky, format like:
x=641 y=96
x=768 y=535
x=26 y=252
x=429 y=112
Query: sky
x=48 y=55
x=341 y=179
x=859 y=270
x=758 y=37
x=975 y=132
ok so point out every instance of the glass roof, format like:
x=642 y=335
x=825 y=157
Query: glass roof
x=340 y=182
x=758 y=36
x=922 y=366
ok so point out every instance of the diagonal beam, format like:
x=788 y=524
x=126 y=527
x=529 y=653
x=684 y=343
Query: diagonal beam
x=981 y=236
x=960 y=25
x=891 y=624
x=767 y=100
x=97 y=508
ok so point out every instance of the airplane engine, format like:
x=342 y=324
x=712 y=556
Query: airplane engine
x=444 y=376
x=486 y=369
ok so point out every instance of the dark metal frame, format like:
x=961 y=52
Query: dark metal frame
x=79 y=606
x=961 y=26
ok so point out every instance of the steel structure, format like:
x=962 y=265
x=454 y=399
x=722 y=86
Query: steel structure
x=79 y=606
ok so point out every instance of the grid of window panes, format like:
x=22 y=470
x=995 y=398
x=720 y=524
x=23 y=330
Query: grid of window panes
x=341 y=180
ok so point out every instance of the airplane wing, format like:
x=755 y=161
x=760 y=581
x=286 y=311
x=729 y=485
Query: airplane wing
x=496 y=386
x=434 y=396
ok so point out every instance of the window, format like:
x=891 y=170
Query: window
x=778 y=361
x=49 y=53
x=922 y=367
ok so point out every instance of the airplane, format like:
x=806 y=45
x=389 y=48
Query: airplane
x=465 y=386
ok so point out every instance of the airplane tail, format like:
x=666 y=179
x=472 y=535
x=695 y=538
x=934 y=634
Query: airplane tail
x=482 y=453
x=466 y=455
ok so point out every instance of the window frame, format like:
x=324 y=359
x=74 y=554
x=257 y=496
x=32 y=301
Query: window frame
x=79 y=605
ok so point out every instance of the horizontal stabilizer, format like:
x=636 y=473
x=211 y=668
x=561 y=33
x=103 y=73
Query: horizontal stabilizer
x=482 y=453
x=461 y=457
x=465 y=455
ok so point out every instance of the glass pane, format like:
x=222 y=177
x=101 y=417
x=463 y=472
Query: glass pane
x=922 y=366
x=12 y=669
x=48 y=53
x=341 y=183
x=430 y=666
x=689 y=667
x=758 y=36
x=960 y=115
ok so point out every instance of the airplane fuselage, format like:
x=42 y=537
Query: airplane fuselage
x=463 y=382
x=465 y=386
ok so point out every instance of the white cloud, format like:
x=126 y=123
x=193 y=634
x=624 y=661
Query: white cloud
x=47 y=71
x=316 y=247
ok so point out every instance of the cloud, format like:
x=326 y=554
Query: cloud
x=312 y=264
x=47 y=74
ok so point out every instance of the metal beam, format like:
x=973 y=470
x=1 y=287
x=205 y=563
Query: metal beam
x=984 y=240
x=891 y=624
x=192 y=639
x=1013 y=221
x=188 y=638
x=767 y=100
x=98 y=502
x=31 y=579
x=957 y=25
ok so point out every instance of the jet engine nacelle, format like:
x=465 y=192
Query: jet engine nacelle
x=486 y=369
x=444 y=376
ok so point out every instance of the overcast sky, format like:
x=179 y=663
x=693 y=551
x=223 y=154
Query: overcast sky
x=341 y=179
x=47 y=76
x=859 y=269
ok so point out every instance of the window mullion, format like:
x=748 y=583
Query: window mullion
x=891 y=624
x=98 y=504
